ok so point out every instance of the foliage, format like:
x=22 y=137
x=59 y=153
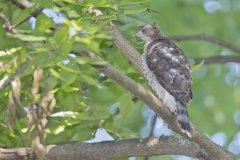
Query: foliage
x=86 y=99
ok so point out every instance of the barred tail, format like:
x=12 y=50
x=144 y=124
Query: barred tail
x=182 y=117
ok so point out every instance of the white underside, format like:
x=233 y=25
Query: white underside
x=161 y=92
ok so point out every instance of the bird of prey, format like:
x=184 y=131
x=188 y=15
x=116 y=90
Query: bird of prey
x=167 y=71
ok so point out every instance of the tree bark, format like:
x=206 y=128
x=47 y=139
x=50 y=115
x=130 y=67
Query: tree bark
x=165 y=145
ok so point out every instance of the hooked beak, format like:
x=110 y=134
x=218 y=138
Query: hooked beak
x=137 y=37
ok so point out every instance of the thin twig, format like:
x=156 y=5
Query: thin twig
x=217 y=59
x=152 y=125
x=33 y=14
x=153 y=11
x=6 y=23
x=207 y=38
x=20 y=5
x=22 y=67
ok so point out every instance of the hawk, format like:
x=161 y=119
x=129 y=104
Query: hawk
x=168 y=72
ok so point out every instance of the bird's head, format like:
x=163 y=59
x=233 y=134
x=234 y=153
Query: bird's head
x=148 y=33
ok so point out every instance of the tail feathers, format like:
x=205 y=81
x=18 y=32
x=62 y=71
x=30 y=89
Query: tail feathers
x=183 y=120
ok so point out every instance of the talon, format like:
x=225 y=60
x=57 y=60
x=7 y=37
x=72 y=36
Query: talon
x=171 y=108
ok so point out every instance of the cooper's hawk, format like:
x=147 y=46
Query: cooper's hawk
x=167 y=71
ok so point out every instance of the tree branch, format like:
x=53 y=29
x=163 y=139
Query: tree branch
x=33 y=14
x=207 y=38
x=127 y=148
x=24 y=5
x=7 y=25
x=214 y=151
x=21 y=5
x=217 y=59
x=167 y=145
x=6 y=82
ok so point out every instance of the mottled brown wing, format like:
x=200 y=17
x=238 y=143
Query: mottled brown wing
x=171 y=68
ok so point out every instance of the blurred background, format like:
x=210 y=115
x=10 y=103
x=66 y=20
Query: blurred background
x=91 y=107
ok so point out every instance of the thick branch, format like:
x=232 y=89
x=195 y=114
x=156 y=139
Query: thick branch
x=217 y=59
x=168 y=145
x=207 y=38
x=124 y=45
x=126 y=148
x=214 y=151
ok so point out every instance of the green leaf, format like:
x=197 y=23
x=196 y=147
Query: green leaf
x=69 y=68
x=67 y=77
x=131 y=2
x=62 y=41
x=55 y=73
x=104 y=17
x=43 y=23
x=71 y=1
x=100 y=3
x=134 y=11
x=126 y=104
x=19 y=15
x=82 y=133
x=44 y=3
x=89 y=79
x=52 y=82
x=29 y=38
x=86 y=60
x=45 y=58
x=89 y=42
x=9 y=51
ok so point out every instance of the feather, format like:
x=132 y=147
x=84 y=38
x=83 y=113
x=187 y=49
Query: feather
x=168 y=73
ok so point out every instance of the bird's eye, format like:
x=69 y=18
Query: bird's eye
x=144 y=30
